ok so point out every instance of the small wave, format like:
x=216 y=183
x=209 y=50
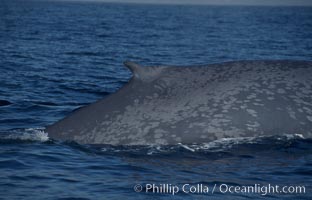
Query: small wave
x=260 y=143
x=228 y=143
x=83 y=53
x=221 y=145
x=30 y=134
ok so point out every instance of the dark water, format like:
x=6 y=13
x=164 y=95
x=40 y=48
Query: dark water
x=56 y=57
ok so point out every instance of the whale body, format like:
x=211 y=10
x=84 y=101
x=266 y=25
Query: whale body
x=197 y=104
x=4 y=103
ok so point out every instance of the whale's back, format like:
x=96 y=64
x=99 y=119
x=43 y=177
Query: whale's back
x=195 y=104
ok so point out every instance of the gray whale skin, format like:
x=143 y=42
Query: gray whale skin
x=196 y=104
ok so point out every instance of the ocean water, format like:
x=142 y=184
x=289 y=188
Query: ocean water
x=58 y=56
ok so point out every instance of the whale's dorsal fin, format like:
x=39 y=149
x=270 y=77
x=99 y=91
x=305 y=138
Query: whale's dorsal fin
x=134 y=68
x=143 y=73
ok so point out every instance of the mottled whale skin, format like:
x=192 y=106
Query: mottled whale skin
x=197 y=104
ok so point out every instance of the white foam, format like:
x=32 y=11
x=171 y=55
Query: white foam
x=293 y=136
x=227 y=143
x=220 y=145
x=186 y=147
x=31 y=134
x=224 y=143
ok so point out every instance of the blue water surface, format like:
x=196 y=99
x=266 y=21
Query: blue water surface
x=58 y=56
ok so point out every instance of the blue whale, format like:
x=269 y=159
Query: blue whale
x=197 y=104
x=4 y=102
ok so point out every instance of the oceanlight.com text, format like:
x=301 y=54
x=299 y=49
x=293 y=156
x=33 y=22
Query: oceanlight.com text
x=261 y=189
